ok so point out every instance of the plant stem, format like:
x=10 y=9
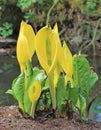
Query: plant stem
x=52 y=90
x=33 y=109
x=50 y=10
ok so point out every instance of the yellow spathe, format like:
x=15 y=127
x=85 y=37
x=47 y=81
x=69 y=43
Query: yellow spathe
x=25 y=45
x=46 y=48
x=66 y=61
x=35 y=91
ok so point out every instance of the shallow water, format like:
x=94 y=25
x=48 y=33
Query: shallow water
x=9 y=69
x=95 y=110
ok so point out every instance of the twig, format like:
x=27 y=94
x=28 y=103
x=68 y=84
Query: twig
x=93 y=39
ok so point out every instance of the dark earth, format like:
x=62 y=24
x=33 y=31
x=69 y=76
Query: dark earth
x=11 y=119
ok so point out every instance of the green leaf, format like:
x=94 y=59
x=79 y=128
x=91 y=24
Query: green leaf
x=93 y=79
x=29 y=16
x=91 y=5
x=9 y=91
x=27 y=102
x=81 y=71
x=18 y=90
x=6 y=29
x=82 y=107
x=61 y=97
x=31 y=75
x=84 y=80
x=73 y=95
x=24 y=4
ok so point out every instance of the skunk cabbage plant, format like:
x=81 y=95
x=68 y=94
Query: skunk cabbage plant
x=46 y=46
x=63 y=83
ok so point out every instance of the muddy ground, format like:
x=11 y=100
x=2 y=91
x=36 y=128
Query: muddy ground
x=11 y=119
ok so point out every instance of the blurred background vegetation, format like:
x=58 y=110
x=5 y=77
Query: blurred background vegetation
x=78 y=20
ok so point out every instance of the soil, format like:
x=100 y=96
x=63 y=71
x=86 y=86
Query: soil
x=11 y=119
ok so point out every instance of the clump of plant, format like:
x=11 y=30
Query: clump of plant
x=6 y=29
x=64 y=80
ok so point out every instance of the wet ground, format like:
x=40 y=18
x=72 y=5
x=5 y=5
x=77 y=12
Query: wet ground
x=11 y=119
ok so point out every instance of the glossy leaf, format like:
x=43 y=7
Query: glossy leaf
x=82 y=106
x=73 y=95
x=18 y=90
x=61 y=97
x=52 y=89
x=93 y=79
x=31 y=76
x=81 y=71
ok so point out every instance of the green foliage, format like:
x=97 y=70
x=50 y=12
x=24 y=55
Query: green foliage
x=76 y=96
x=18 y=90
x=4 y=1
x=93 y=79
x=84 y=80
x=29 y=16
x=31 y=76
x=44 y=102
x=61 y=97
x=6 y=29
x=82 y=106
x=22 y=84
x=35 y=11
x=81 y=71
x=89 y=7
x=73 y=96
x=27 y=3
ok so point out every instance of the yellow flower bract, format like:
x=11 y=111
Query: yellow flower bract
x=35 y=91
x=25 y=45
x=46 y=48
